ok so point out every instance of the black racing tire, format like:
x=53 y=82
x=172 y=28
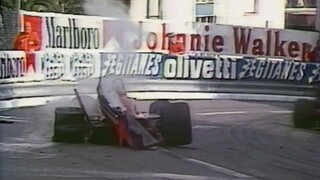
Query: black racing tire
x=156 y=106
x=304 y=115
x=69 y=125
x=176 y=124
x=103 y=134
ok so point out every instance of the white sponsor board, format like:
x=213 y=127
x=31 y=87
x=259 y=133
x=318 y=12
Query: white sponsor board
x=68 y=65
x=66 y=31
x=217 y=39
x=90 y=32
x=13 y=64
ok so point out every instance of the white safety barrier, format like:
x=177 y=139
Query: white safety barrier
x=52 y=65
x=68 y=65
x=85 y=64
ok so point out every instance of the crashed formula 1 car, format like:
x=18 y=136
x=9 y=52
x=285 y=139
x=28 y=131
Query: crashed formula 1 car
x=113 y=120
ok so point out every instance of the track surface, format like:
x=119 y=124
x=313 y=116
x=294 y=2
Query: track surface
x=232 y=140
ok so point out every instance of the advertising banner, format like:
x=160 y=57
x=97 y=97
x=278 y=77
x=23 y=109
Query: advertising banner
x=109 y=34
x=68 y=65
x=279 y=72
x=152 y=36
x=13 y=64
x=31 y=39
x=61 y=31
x=131 y=64
x=212 y=69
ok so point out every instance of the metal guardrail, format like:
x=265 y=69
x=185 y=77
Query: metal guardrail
x=142 y=85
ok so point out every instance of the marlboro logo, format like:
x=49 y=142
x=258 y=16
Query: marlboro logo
x=71 y=36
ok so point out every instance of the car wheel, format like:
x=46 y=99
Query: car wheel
x=69 y=125
x=176 y=124
x=103 y=134
x=156 y=106
x=304 y=115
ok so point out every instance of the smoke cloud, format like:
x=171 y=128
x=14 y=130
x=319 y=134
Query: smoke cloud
x=106 y=8
x=120 y=30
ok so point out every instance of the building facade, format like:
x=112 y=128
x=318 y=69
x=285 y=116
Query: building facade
x=303 y=15
x=257 y=13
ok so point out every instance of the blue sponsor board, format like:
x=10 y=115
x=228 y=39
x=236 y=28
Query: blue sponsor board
x=174 y=67
x=288 y=72
x=131 y=64
x=162 y=66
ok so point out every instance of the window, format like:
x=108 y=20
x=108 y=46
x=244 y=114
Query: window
x=252 y=6
x=126 y=4
x=310 y=3
x=204 y=1
x=204 y=11
x=301 y=4
x=206 y=19
x=305 y=22
x=153 y=9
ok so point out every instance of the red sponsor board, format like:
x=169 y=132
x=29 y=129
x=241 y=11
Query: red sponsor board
x=36 y=24
x=30 y=38
x=63 y=31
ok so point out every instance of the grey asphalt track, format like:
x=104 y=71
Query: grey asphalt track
x=232 y=140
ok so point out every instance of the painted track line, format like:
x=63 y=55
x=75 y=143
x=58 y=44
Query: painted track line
x=58 y=173
x=218 y=168
x=204 y=127
x=13 y=121
x=281 y=112
x=221 y=113
x=241 y=112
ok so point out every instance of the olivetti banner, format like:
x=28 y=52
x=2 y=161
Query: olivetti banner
x=157 y=65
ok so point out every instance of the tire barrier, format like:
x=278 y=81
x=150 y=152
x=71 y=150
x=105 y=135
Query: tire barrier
x=49 y=74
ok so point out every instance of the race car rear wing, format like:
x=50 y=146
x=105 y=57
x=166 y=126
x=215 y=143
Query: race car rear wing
x=86 y=115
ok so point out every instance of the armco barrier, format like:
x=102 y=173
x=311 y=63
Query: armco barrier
x=152 y=73
x=15 y=95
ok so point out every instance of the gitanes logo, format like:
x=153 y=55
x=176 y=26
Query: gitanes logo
x=275 y=70
x=315 y=77
x=131 y=64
